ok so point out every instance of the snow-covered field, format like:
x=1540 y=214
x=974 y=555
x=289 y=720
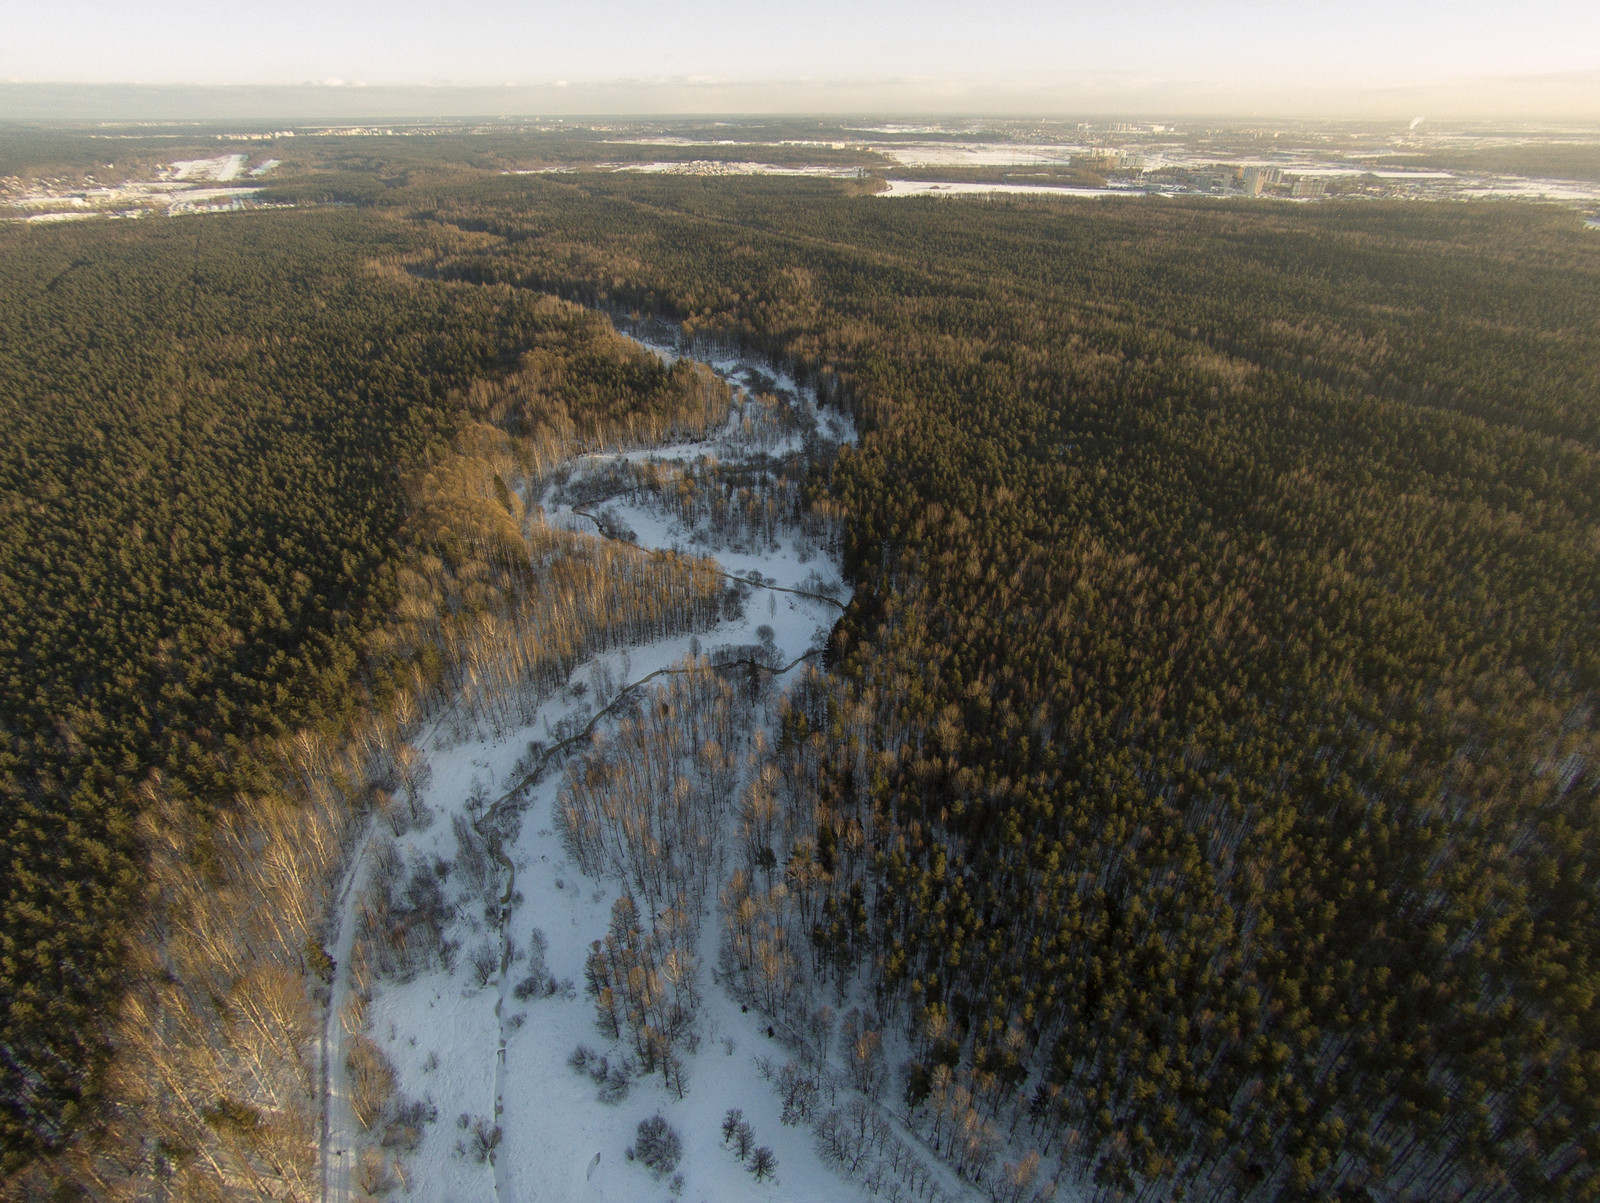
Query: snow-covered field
x=513 y=1120
x=936 y=188
x=183 y=187
x=1512 y=187
x=976 y=154
x=699 y=167
x=1442 y=184
x=220 y=169
x=721 y=167
x=1338 y=172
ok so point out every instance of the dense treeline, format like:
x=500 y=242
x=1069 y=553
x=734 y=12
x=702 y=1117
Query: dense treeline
x=195 y=510
x=1219 y=745
x=255 y=519
x=1556 y=160
x=43 y=151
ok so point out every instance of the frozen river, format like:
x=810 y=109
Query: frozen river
x=511 y=1119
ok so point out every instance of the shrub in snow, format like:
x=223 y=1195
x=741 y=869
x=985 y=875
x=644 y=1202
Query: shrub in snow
x=763 y=1164
x=474 y=868
x=374 y=1174
x=819 y=1029
x=538 y=946
x=605 y=682
x=658 y=1146
x=612 y=1080
x=799 y=1089
x=404 y=1131
x=851 y=1137
x=613 y=1086
x=530 y=761
x=372 y=1079
x=815 y=582
x=744 y=1139
x=730 y=1123
x=404 y=917
x=484 y=963
x=481 y=1142
x=535 y=986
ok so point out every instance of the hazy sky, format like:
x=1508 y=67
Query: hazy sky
x=1012 y=45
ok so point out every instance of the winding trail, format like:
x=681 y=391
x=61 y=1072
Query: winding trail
x=338 y=1132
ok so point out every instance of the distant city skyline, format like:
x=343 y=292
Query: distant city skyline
x=716 y=55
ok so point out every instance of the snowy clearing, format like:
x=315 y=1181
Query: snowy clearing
x=173 y=194
x=220 y=169
x=1523 y=189
x=1387 y=173
x=898 y=188
x=721 y=167
x=976 y=154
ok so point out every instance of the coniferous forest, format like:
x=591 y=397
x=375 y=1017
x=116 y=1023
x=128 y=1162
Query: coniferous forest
x=1203 y=785
x=250 y=515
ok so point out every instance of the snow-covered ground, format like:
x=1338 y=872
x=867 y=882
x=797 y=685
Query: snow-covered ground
x=1337 y=172
x=495 y=1069
x=1447 y=186
x=221 y=169
x=1513 y=187
x=901 y=188
x=182 y=187
x=976 y=154
x=723 y=167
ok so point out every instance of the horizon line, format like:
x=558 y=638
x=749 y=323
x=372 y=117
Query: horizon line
x=1566 y=97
